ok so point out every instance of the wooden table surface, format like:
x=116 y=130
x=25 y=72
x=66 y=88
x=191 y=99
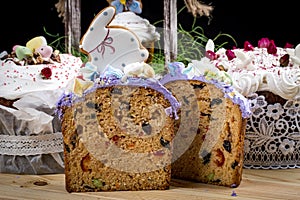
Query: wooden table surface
x=256 y=184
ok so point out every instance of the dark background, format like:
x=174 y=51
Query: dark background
x=243 y=20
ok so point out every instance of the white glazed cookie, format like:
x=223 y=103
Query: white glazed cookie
x=111 y=45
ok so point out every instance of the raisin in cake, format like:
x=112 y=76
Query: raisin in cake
x=269 y=77
x=118 y=135
x=33 y=77
x=209 y=141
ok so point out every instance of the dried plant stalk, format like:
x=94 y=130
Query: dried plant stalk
x=198 y=8
x=60 y=7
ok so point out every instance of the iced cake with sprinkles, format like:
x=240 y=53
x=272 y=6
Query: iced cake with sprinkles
x=209 y=142
x=33 y=77
x=269 y=76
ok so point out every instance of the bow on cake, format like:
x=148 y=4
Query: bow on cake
x=127 y=5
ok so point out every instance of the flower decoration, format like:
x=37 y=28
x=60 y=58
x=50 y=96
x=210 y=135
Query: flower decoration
x=89 y=71
x=284 y=60
x=275 y=111
x=288 y=45
x=210 y=50
x=211 y=55
x=287 y=146
x=230 y=54
x=46 y=72
x=112 y=72
x=263 y=43
x=208 y=70
x=293 y=109
x=248 y=46
x=79 y=86
x=272 y=49
x=269 y=44
x=127 y=5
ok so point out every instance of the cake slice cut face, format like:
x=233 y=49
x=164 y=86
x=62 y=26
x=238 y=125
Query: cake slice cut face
x=209 y=142
x=118 y=138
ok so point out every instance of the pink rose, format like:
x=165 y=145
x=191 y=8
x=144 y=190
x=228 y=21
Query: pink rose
x=263 y=43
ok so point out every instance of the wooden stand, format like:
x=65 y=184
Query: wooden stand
x=170 y=30
x=72 y=24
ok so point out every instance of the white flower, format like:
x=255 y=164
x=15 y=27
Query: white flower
x=210 y=46
x=293 y=108
x=287 y=146
x=275 y=111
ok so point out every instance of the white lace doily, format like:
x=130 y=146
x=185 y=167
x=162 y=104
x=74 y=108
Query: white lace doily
x=272 y=138
x=31 y=145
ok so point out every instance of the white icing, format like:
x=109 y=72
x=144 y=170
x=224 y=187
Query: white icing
x=18 y=81
x=109 y=45
x=204 y=67
x=145 y=31
x=139 y=69
x=257 y=70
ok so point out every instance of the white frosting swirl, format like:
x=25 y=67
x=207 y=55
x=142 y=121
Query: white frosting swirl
x=18 y=81
x=285 y=83
x=244 y=82
x=145 y=31
x=257 y=70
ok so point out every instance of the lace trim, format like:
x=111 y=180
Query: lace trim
x=31 y=145
x=272 y=139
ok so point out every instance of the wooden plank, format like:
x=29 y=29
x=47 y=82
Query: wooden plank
x=256 y=184
x=72 y=24
x=170 y=30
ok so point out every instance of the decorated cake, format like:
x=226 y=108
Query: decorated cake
x=269 y=76
x=209 y=142
x=33 y=77
x=130 y=18
x=117 y=119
